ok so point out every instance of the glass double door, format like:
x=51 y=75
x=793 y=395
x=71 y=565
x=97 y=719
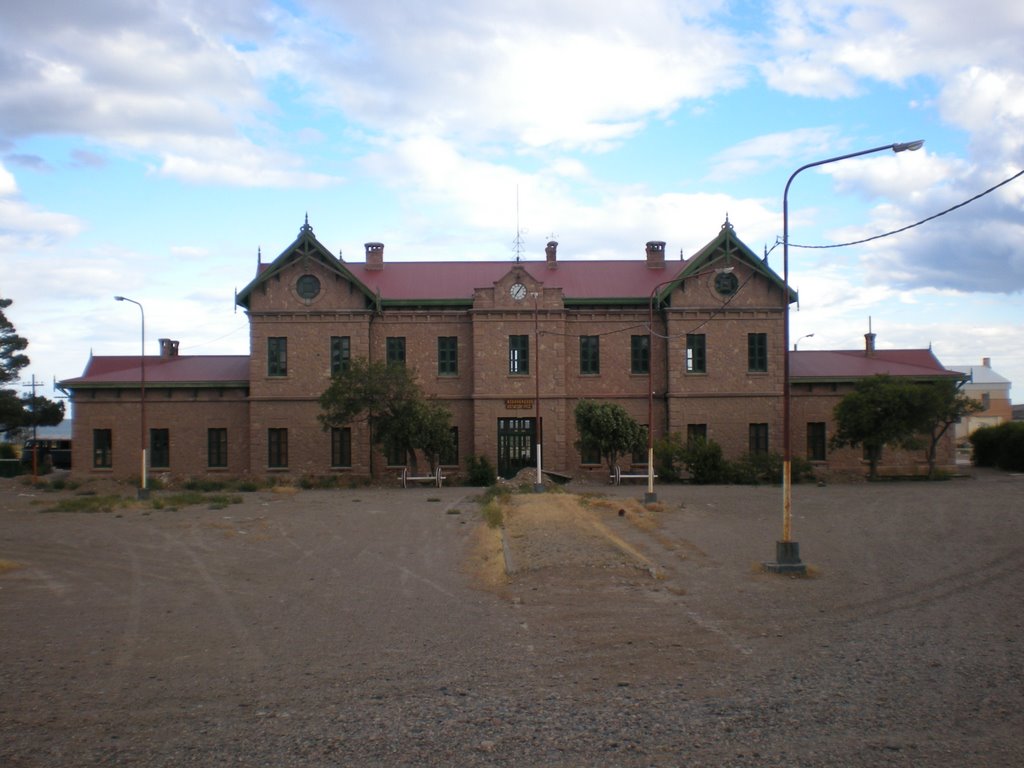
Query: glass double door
x=517 y=439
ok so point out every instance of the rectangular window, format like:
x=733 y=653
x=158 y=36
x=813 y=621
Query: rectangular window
x=450 y=458
x=341 y=447
x=217 y=447
x=519 y=354
x=341 y=354
x=640 y=451
x=816 y=440
x=986 y=401
x=696 y=432
x=590 y=454
x=394 y=454
x=447 y=355
x=757 y=352
x=759 y=438
x=159 y=448
x=696 y=353
x=102 y=448
x=590 y=355
x=396 y=350
x=277 y=356
x=277 y=448
x=640 y=354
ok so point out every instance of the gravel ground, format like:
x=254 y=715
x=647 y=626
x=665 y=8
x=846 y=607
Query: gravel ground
x=370 y=627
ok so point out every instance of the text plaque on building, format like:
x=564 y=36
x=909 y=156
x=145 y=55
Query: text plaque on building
x=519 y=405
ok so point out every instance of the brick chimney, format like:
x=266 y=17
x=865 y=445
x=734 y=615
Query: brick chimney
x=375 y=256
x=987 y=362
x=869 y=344
x=168 y=348
x=656 y=254
x=551 y=252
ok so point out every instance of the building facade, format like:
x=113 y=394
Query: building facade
x=694 y=347
x=990 y=389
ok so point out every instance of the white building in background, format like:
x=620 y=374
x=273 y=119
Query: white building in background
x=991 y=390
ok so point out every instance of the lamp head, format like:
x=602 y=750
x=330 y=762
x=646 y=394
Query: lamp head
x=908 y=146
x=119 y=298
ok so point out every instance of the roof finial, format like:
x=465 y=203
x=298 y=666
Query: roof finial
x=305 y=226
x=259 y=256
x=727 y=225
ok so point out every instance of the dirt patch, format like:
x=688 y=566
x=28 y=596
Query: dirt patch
x=566 y=531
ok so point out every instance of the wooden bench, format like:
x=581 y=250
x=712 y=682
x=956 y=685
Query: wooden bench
x=436 y=478
x=617 y=476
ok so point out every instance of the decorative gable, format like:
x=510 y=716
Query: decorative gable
x=307 y=275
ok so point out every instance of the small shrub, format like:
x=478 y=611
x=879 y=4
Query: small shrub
x=203 y=484
x=481 y=471
x=1001 y=446
x=669 y=457
x=704 y=461
x=493 y=514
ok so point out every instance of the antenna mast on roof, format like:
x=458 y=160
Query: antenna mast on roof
x=518 y=244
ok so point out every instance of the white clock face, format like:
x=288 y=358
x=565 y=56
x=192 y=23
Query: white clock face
x=518 y=291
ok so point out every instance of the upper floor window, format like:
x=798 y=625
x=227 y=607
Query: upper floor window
x=447 y=355
x=757 y=352
x=277 y=356
x=519 y=354
x=341 y=354
x=696 y=353
x=396 y=350
x=640 y=354
x=590 y=354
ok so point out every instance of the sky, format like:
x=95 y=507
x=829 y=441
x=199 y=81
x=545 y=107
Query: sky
x=153 y=149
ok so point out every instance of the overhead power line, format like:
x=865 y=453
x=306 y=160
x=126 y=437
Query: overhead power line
x=915 y=224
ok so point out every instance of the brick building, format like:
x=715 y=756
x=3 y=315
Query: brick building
x=500 y=343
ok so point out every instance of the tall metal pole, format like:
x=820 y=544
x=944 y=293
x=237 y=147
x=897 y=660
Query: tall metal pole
x=787 y=551
x=538 y=486
x=143 y=485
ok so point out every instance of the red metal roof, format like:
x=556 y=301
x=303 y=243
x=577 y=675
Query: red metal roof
x=176 y=369
x=856 y=363
x=456 y=280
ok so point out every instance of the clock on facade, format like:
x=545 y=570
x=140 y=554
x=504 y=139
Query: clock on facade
x=308 y=286
x=726 y=283
x=517 y=291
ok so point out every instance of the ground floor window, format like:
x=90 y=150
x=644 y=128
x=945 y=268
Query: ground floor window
x=394 y=454
x=450 y=458
x=217 y=447
x=640 y=451
x=341 y=447
x=759 y=438
x=696 y=432
x=102 y=448
x=277 y=448
x=160 y=448
x=816 y=440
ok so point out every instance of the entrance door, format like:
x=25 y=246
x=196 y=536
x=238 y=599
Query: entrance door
x=516 y=440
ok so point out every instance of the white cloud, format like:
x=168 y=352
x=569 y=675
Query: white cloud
x=555 y=74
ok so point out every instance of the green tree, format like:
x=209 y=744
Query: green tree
x=391 y=401
x=941 y=404
x=880 y=411
x=607 y=428
x=17 y=410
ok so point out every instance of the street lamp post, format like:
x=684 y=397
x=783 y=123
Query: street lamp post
x=143 y=486
x=538 y=486
x=787 y=551
x=797 y=342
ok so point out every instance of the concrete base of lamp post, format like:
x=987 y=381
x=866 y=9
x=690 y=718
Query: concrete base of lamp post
x=143 y=494
x=787 y=559
x=538 y=487
x=650 y=498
